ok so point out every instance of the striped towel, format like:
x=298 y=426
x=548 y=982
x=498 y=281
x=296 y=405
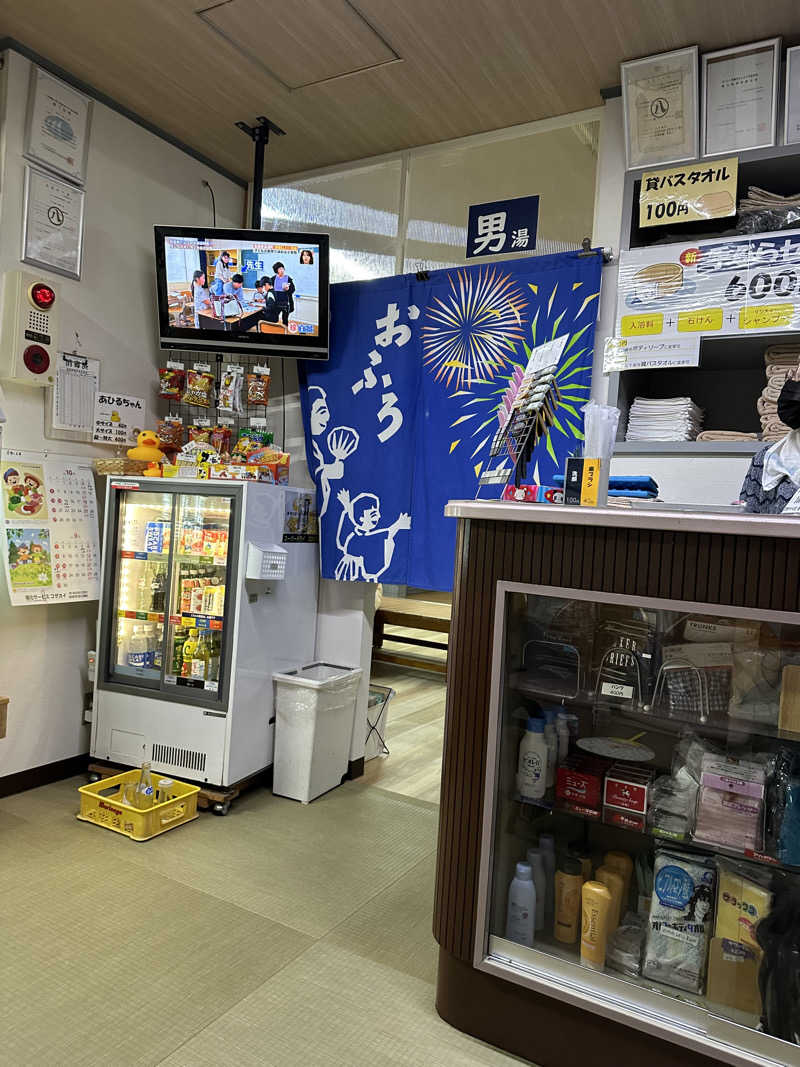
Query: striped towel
x=726 y=435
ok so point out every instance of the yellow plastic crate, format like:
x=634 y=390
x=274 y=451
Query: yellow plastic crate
x=101 y=804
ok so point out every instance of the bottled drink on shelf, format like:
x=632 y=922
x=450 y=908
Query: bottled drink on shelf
x=196 y=655
x=123 y=643
x=158 y=590
x=137 y=648
x=143 y=591
x=179 y=640
x=216 y=653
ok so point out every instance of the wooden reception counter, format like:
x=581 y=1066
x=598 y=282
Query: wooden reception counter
x=589 y=612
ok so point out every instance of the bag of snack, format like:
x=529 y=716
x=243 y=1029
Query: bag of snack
x=170 y=382
x=221 y=438
x=199 y=388
x=258 y=389
x=170 y=434
x=201 y=434
x=230 y=391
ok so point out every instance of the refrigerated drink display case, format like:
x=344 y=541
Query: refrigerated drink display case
x=648 y=753
x=189 y=635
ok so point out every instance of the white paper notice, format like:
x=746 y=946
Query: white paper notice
x=50 y=537
x=77 y=381
x=117 y=418
x=633 y=353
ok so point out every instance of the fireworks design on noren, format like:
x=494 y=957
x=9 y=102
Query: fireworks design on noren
x=470 y=335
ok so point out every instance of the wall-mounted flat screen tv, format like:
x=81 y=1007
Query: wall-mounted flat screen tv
x=248 y=291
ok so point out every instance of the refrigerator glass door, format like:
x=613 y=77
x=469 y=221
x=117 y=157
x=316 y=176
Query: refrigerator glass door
x=201 y=597
x=139 y=587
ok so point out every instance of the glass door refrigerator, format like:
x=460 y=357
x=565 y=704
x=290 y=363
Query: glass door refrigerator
x=207 y=589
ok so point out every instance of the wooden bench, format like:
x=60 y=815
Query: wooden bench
x=412 y=615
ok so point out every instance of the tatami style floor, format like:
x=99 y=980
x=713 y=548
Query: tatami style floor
x=281 y=935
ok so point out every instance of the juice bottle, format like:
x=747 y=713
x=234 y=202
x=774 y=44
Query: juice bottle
x=179 y=640
x=201 y=658
x=187 y=652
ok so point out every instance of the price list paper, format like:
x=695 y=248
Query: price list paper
x=50 y=537
x=117 y=418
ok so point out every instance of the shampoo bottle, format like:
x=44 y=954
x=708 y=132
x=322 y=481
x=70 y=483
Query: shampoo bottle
x=569 y=882
x=521 y=914
x=532 y=766
x=595 y=908
x=540 y=881
x=547 y=847
x=614 y=882
x=622 y=862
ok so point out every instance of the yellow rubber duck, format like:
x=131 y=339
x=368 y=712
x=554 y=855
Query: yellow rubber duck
x=147 y=449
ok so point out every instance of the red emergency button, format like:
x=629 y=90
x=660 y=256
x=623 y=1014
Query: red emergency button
x=42 y=296
x=36 y=359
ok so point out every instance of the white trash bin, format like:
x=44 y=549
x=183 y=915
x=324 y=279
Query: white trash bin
x=314 y=712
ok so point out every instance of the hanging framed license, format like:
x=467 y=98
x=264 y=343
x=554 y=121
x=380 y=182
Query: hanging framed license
x=52 y=235
x=791 y=128
x=660 y=107
x=740 y=97
x=57 y=128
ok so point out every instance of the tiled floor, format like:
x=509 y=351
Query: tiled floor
x=281 y=935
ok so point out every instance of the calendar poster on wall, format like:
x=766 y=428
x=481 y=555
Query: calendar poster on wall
x=50 y=537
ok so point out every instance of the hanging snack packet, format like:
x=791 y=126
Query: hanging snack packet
x=170 y=434
x=230 y=391
x=258 y=389
x=199 y=388
x=170 y=383
x=221 y=439
x=201 y=434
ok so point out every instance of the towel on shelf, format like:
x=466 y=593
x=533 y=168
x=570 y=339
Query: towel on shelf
x=672 y=419
x=788 y=354
x=726 y=435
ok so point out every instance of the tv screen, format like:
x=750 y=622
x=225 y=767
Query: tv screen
x=246 y=291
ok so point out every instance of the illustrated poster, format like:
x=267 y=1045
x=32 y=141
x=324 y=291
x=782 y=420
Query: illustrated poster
x=50 y=538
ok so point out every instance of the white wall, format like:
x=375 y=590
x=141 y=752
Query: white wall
x=681 y=479
x=135 y=180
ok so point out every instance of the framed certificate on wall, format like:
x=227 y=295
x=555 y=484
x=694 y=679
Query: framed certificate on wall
x=791 y=122
x=660 y=106
x=740 y=97
x=57 y=127
x=52 y=235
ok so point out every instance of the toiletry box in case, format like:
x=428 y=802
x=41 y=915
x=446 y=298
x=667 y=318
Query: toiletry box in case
x=730 y=804
x=579 y=784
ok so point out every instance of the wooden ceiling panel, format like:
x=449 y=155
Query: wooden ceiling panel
x=467 y=65
x=300 y=44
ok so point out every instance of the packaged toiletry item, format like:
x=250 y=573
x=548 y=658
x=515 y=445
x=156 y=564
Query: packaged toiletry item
x=547 y=847
x=615 y=884
x=625 y=945
x=730 y=804
x=568 y=885
x=199 y=388
x=170 y=382
x=579 y=784
x=551 y=739
x=534 y=494
x=534 y=858
x=622 y=862
x=733 y=975
x=626 y=786
x=521 y=913
x=680 y=921
x=532 y=764
x=230 y=390
x=743 y=900
x=595 y=910
x=258 y=385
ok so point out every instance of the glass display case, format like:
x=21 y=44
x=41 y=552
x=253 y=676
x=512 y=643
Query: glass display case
x=641 y=834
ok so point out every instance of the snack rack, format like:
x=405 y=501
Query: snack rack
x=251 y=415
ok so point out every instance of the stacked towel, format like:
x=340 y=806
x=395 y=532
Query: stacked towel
x=726 y=435
x=674 y=419
x=780 y=361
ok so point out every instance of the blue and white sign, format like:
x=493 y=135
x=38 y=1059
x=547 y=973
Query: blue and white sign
x=503 y=226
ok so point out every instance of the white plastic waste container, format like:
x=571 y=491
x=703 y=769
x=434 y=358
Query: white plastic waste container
x=314 y=712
